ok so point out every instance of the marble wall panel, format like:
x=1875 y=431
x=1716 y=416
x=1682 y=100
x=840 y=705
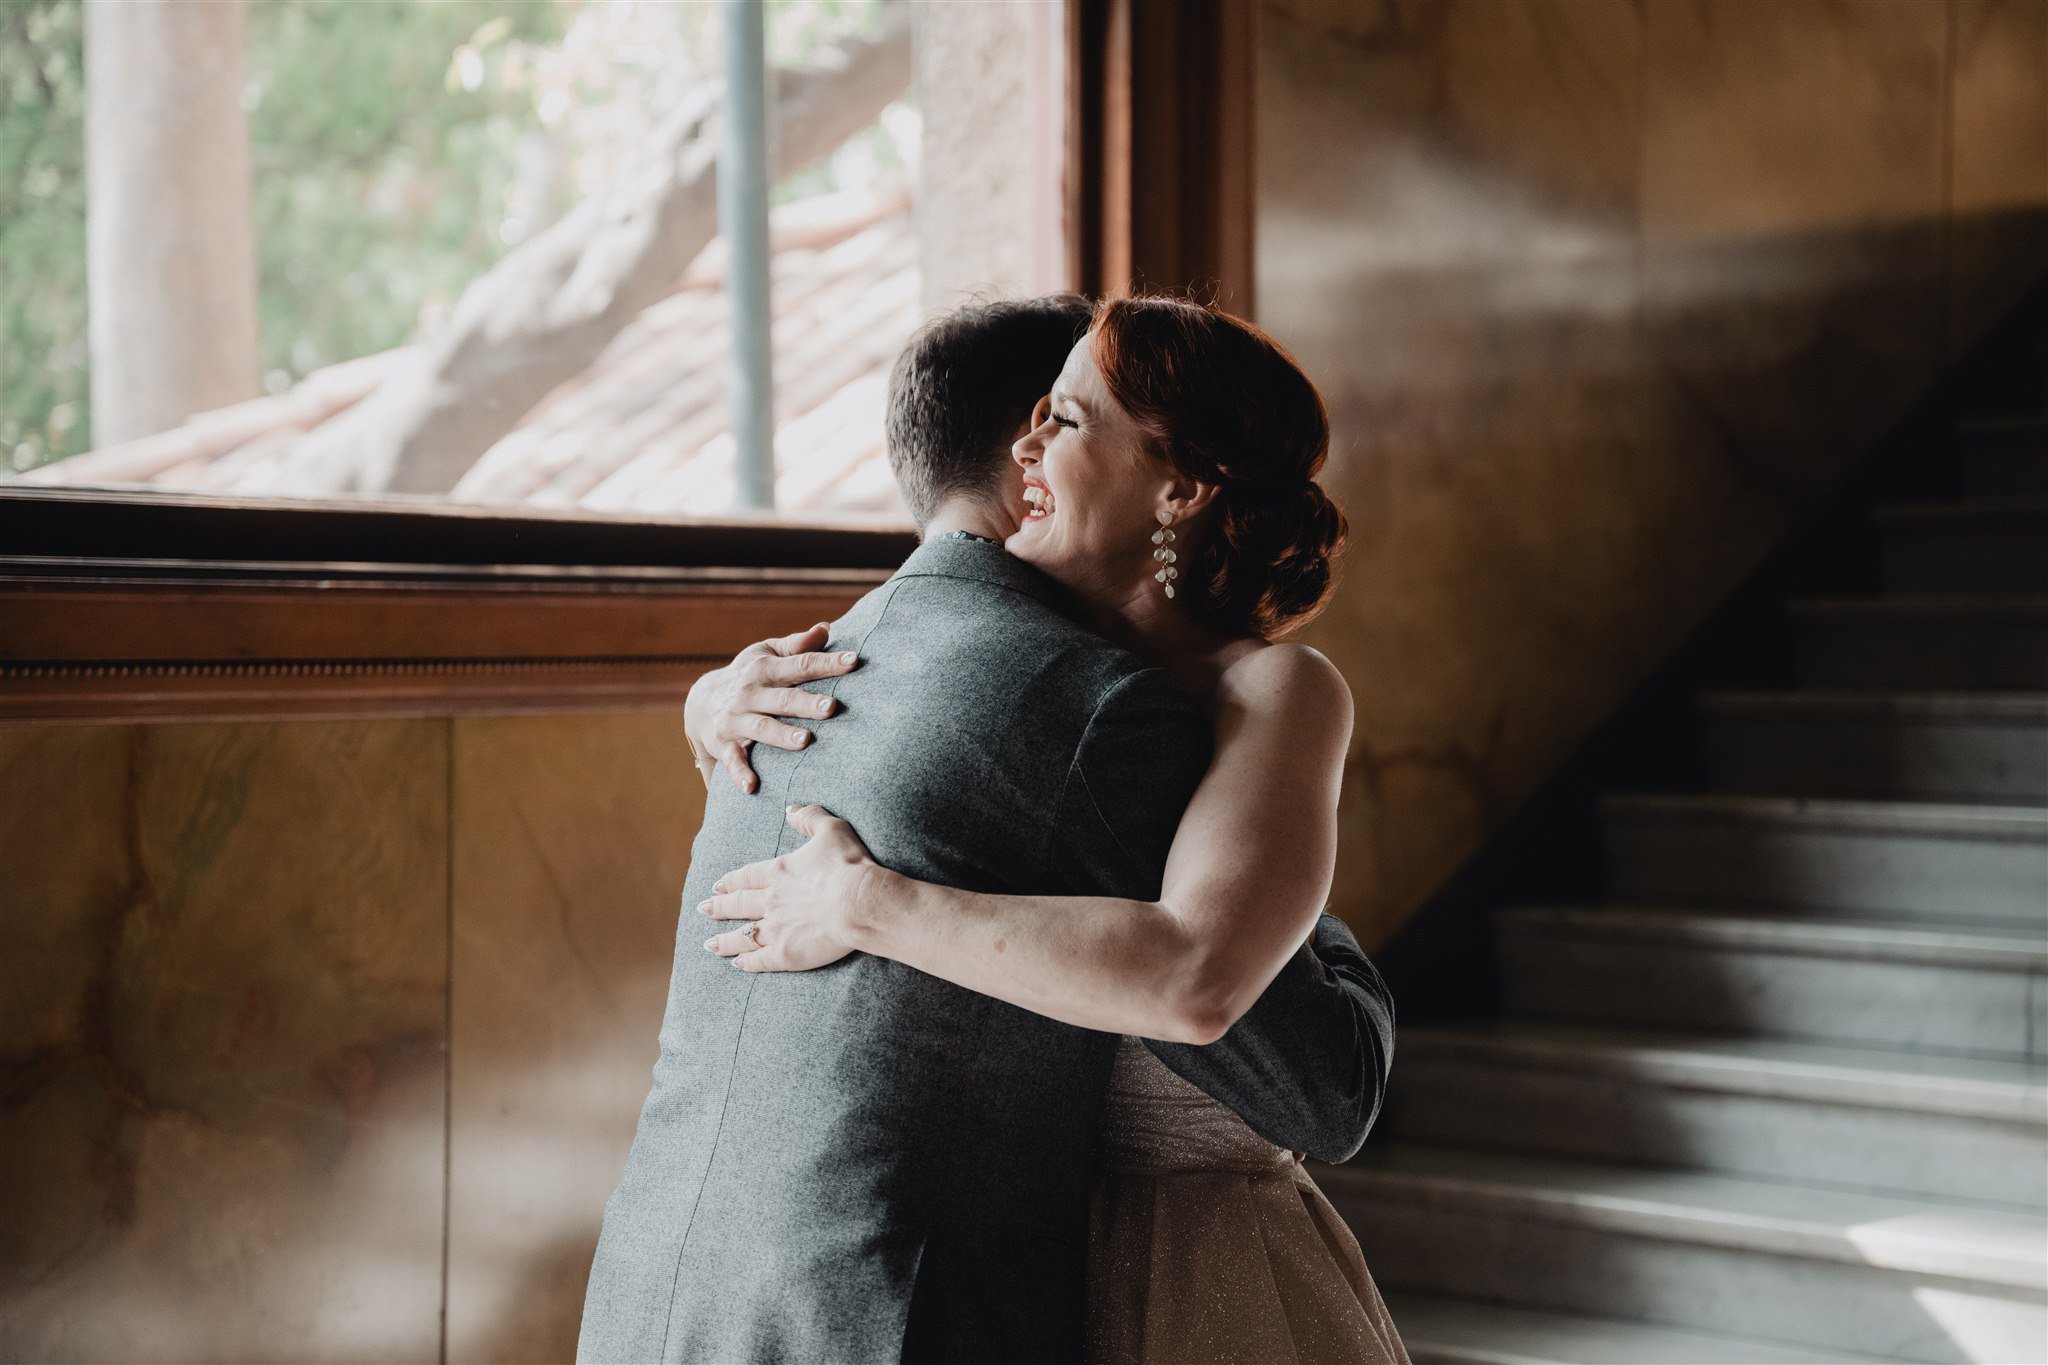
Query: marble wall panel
x=1602 y=296
x=976 y=89
x=224 y=977
x=1793 y=207
x=1998 y=179
x=572 y=834
x=1447 y=240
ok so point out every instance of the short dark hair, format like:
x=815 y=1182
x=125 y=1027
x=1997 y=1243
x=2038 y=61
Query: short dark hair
x=965 y=383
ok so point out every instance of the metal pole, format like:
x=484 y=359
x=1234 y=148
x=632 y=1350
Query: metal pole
x=743 y=221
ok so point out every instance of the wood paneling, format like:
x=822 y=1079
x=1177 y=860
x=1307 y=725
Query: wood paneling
x=139 y=526
x=1159 y=147
x=121 y=629
x=45 y=619
x=168 y=692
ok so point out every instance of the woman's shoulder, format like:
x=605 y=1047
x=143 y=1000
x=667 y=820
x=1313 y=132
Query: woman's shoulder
x=1293 y=680
x=1280 y=663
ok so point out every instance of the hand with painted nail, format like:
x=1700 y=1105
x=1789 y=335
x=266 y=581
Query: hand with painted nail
x=748 y=701
x=797 y=907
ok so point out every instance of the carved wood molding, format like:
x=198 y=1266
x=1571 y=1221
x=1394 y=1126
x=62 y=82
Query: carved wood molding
x=72 y=650
x=139 y=524
x=134 y=693
x=101 y=636
x=45 y=621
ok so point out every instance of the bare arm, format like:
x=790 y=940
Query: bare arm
x=1307 y=1065
x=1249 y=870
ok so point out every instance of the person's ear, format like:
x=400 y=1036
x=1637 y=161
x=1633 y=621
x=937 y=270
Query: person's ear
x=1189 y=497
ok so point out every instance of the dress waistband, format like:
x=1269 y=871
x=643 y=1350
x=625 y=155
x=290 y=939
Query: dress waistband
x=1155 y=1123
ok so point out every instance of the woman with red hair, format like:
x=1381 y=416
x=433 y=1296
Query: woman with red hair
x=1170 y=479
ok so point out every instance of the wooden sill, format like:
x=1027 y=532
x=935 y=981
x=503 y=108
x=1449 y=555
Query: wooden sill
x=130 y=524
x=114 y=617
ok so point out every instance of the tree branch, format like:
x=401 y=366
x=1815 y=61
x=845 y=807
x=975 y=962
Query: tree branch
x=544 y=312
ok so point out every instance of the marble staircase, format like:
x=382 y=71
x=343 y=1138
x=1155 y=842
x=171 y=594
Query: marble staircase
x=1783 y=1095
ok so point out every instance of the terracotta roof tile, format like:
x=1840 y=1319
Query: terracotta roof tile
x=642 y=429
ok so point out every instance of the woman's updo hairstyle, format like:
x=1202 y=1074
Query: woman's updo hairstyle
x=1222 y=403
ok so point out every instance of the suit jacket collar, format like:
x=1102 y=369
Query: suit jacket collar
x=983 y=563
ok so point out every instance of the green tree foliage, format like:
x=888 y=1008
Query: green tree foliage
x=380 y=182
x=43 y=392
x=387 y=139
x=383 y=154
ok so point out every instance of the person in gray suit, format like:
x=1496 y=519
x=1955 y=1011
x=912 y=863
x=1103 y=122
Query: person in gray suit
x=865 y=1162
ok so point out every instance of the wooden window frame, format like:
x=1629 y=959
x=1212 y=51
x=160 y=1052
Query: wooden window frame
x=122 y=606
x=143 y=605
x=1159 y=156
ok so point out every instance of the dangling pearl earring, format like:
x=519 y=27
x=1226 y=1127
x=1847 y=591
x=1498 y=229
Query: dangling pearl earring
x=1164 y=538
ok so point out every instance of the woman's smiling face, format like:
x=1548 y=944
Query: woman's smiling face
x=1092 y=488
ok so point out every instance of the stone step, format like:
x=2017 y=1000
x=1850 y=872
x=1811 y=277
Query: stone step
x=1903 y=1122
x=2003 y=456
x=1980 y=642
x=1441 y=1331
x=1976 y=992
x=2006 y=473
x=1975 y=545
x=1899 y=1278
x=1917 y=746
x=1974 y=864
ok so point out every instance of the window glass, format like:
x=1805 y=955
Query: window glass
x=480 y=237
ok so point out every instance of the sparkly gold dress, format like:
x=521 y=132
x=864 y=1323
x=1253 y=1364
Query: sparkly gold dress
x=1208 y=1245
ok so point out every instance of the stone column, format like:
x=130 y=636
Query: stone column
x=170 y=249
x=988 y=212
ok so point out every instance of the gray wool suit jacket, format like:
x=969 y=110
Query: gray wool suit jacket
x=864 y=1163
